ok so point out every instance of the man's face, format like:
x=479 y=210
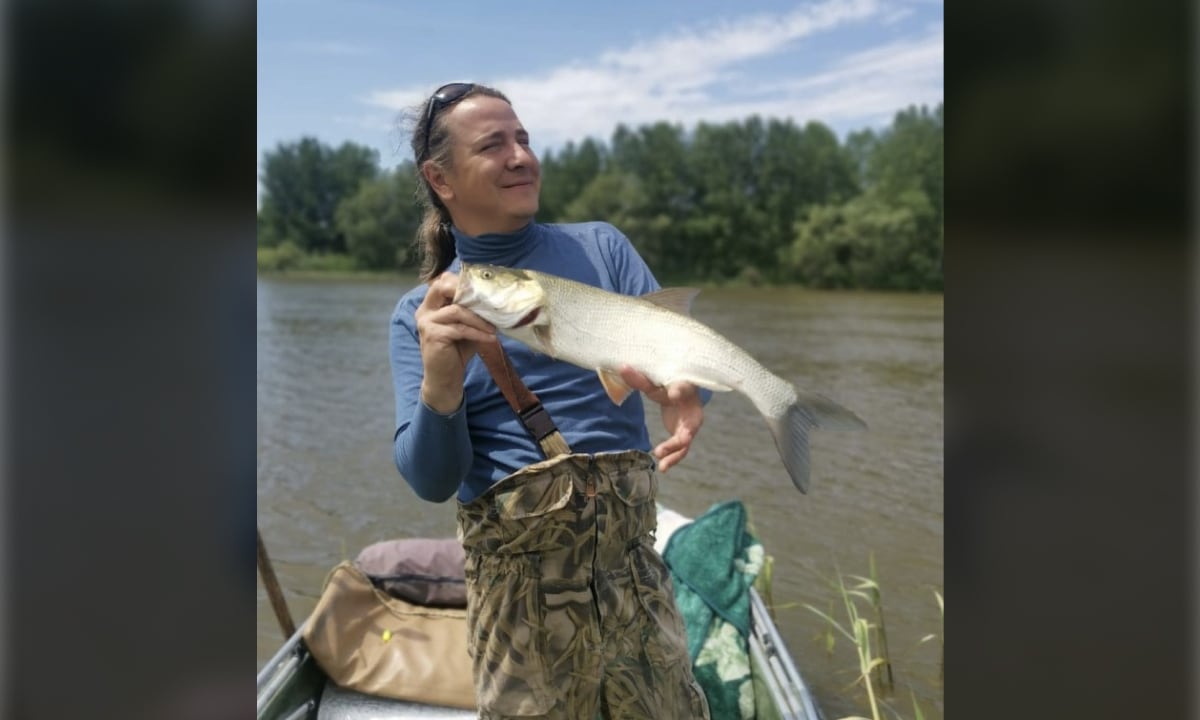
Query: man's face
x=494 y=181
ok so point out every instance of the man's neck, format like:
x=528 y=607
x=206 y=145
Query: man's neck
x=478 y=229
x=500 y=248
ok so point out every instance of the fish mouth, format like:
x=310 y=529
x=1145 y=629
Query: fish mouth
x=528 y=318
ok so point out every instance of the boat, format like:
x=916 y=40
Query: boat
x=291 y=686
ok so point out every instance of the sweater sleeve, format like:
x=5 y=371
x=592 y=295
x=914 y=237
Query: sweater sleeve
x=432 y=451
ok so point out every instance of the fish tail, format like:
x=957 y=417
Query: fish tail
x=791 y=429
x=828 y=414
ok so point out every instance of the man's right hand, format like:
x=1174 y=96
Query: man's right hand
x=448 y=334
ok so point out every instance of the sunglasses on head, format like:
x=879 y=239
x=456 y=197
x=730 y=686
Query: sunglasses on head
x=443 y=96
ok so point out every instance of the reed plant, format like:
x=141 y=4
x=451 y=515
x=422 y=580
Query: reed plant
x=764 y=582
x=940 y=636
x=858 y=631
x=871 y=586
x=866 y=631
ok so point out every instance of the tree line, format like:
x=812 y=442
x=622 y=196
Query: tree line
x=753 y=200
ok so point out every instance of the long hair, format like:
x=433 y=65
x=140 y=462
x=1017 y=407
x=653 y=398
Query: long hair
x=435 y=243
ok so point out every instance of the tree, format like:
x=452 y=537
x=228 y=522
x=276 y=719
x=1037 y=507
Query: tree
x=379 y=222
x=566 y=175
x=868 y=242
x=657 y=155
x=727 y=233
x=909 y=156
x=612 y=196
x=757 y=199
x=860 y=145
x=303 y=184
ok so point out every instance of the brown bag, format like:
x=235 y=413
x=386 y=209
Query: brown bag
x=368 y=641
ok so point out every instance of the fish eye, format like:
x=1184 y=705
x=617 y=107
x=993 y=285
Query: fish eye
x=486 y=274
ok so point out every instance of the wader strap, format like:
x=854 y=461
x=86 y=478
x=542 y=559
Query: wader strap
x=527 y=406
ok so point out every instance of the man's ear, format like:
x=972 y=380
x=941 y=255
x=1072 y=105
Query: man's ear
x=436 y=177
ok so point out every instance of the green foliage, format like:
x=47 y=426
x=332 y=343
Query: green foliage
x=565 y=175
x=326 y=262
x=749 y=201
x=909 y=156
x=657 y=156
x=859 y=147
x=614 y=197
x=724 y=165
x=287 y=257
x=891 y=235
x=282 y=257
x=303 y=184
x=379 y=222
x=868 y=242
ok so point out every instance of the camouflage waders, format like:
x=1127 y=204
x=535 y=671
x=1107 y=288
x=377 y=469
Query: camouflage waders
x=570 y=610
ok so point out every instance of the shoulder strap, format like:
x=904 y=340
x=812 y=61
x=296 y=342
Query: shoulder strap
x=529 y=409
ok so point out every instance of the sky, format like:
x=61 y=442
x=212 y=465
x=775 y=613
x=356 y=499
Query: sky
x=343 y=70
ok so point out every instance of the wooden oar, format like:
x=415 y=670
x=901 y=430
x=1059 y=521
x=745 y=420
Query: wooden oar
x=273 y=590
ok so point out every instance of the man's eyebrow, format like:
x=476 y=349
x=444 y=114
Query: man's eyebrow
x=493 y=135
x=499 y=134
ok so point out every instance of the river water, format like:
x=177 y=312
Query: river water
x=327 y=485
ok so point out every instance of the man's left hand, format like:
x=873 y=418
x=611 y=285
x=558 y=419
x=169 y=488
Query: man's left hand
x=682 y=414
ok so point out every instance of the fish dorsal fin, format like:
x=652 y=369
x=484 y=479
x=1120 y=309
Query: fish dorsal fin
x=676 y=299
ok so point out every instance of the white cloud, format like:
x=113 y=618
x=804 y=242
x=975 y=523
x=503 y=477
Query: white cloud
x=897 y=14
x=873 y=84
x=693 y=74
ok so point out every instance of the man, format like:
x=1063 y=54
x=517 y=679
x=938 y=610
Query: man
x=571 y=611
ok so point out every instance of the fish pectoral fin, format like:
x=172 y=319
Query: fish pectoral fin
x=616 y=388
x=542 y=332
x=677 y=299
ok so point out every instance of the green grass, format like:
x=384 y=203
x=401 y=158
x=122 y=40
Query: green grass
x=287 y=257
x=287 y=260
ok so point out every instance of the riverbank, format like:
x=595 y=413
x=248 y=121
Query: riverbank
x=399 y=276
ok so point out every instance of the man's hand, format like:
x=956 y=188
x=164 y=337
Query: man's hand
x=448 y=335
x=682 y=414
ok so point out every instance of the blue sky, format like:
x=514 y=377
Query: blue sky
x=345 y=69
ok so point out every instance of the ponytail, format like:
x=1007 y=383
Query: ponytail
x=434 y=240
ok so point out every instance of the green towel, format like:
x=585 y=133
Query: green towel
x=714 y=561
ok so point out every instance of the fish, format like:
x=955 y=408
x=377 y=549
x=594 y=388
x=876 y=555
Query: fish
x=655 y=334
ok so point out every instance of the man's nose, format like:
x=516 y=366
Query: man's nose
x=520 y=156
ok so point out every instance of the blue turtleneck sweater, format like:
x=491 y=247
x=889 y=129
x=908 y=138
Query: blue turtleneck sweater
x=483 y=441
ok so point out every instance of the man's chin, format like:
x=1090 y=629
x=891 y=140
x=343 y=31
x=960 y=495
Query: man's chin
x=516 y=220
x=525 y=213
